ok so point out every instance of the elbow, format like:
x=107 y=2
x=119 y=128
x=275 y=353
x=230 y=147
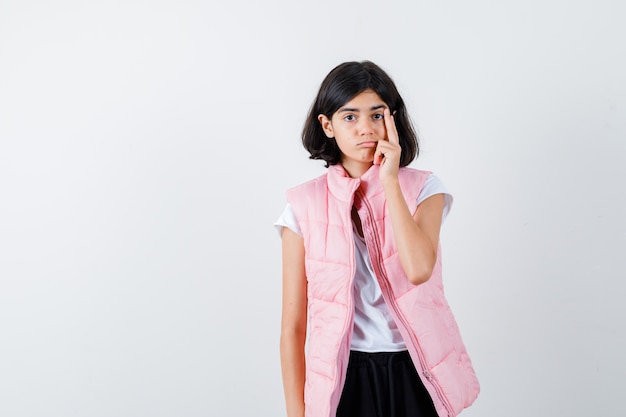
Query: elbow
x=419 y=269
x=419 y=276
x=292 y=342
x=292 y=334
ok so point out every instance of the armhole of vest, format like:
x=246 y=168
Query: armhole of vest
x=420 y=178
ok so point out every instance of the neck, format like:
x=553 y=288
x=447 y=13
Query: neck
x=356 y=170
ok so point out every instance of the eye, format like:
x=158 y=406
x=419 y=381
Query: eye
x=378 y=116
x=349 y=118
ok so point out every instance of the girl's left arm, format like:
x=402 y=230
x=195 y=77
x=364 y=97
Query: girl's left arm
x=416 y=234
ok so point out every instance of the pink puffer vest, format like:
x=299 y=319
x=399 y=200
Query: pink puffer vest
x=323 y=209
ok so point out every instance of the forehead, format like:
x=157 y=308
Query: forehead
x=365 y=100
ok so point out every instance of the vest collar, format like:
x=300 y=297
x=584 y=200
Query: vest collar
x=343 y=187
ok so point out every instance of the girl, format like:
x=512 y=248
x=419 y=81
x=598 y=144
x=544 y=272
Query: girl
x=361 y=263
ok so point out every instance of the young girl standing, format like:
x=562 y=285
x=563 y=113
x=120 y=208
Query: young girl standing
x=362 y=266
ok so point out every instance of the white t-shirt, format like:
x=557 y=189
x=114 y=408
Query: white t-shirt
x=374 y=328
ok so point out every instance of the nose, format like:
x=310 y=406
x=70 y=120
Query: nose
x=366 y=126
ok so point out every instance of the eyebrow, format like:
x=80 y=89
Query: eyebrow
x=355 y=110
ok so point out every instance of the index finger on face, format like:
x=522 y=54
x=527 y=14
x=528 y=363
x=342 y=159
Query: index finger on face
x=390 y=125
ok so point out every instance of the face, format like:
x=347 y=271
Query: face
x=357 y=127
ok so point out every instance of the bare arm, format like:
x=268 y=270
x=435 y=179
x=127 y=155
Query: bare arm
x=416 y=234
x=293 y=326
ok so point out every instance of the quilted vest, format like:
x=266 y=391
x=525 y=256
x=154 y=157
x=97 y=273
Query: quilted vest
x=323 y=210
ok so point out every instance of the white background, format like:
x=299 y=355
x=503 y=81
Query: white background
x=145 y=147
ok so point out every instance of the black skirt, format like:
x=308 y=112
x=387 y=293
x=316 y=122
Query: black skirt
x=384 y=384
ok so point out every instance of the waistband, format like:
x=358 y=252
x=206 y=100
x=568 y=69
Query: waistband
x=360 y=359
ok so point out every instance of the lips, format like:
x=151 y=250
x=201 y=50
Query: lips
x=368 y=144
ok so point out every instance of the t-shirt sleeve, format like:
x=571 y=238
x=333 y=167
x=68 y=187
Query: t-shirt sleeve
x=434 y=186
x=287 y=219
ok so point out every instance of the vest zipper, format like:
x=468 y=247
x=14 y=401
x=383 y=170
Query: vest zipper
x=383 y=281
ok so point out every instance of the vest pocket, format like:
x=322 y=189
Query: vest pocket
x=327 y=327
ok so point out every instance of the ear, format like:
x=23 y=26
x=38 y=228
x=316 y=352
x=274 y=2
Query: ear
x=327 y=125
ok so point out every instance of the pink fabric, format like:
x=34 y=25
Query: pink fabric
x=323 y=209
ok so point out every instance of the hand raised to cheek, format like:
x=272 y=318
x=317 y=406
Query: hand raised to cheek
x=388 y=151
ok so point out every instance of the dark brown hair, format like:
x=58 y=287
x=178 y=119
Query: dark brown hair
x=341 y=85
